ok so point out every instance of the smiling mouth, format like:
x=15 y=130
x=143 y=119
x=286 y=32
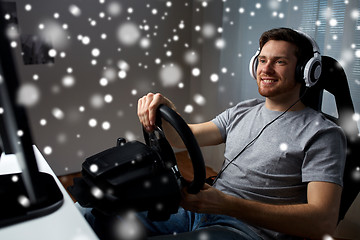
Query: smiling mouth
x=268 y=80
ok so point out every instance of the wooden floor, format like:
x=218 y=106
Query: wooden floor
x=184 y=164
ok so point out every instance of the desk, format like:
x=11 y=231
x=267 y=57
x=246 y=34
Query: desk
x=64 y=224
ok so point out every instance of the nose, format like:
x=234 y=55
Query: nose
x=266 y=68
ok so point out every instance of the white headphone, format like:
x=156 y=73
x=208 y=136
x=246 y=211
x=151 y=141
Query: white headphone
x=308 y=72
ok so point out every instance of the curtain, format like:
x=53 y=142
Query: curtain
x=335 y=25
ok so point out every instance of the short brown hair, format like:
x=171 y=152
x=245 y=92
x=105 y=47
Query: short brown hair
x=304 y=49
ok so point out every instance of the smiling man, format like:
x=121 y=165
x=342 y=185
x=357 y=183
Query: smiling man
x=283 y=168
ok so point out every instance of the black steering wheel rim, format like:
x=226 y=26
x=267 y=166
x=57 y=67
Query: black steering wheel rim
x=190 y=142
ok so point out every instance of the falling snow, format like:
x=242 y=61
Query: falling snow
x=170 y=75
x=129 y=228
x=94 y=168
x=283 y=147
x=24 y=201
x=28 y=95
x=15 y=178
x=107 y=54
x=327 y=237
x=97 y=192
x=199 y=99
x=128 y=34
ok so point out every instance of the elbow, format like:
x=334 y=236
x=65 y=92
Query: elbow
x=326 y=229
x=326 y=226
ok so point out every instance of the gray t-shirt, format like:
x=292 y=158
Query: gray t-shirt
x=299 y=147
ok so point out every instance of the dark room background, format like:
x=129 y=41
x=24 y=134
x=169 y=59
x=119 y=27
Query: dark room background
x=85 y=63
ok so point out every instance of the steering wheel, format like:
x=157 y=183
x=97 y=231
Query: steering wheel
x=187 y=137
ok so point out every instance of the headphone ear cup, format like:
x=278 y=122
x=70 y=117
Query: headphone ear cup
x=312 y=71
x=253 y=64
x=299 y=72
x=308 y=72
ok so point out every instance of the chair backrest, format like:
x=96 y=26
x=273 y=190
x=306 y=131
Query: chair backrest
x=333 y=79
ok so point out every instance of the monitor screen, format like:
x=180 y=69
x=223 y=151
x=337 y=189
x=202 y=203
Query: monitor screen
x=42 y=193
x=15 y=132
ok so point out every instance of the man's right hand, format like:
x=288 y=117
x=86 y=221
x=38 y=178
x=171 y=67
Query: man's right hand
x=147 y=106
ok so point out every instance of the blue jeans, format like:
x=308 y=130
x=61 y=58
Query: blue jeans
x=182 y=225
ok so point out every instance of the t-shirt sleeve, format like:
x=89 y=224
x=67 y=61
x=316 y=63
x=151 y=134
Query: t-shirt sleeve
x=325 y=157
x=222 y=121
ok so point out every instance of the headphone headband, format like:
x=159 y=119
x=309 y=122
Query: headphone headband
x=308 y=72
x=315 y=46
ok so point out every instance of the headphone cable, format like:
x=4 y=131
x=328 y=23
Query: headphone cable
x=258 y=135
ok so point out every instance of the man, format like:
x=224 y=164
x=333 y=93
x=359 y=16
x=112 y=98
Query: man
x=282 y=175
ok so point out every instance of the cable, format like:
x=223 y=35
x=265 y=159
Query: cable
x=258 y=135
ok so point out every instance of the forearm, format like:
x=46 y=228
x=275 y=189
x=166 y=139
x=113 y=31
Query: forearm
x=310 y=220
x=304 y=220
x=206 y=134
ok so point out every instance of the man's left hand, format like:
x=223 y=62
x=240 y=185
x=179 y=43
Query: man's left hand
x=208 y=200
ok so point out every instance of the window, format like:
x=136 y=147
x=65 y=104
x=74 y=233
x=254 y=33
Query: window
x=335 y=25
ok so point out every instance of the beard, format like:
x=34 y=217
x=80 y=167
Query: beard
x=278 y=88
